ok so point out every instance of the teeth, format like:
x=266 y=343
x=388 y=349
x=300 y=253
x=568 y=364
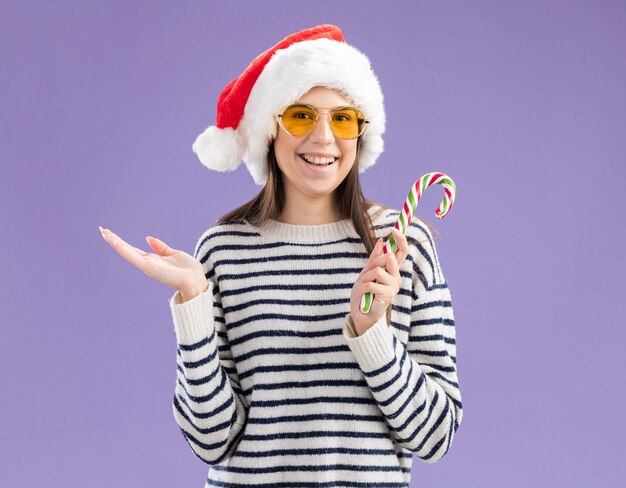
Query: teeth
x=316 y=160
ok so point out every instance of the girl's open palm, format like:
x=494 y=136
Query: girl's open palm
x=173 y=267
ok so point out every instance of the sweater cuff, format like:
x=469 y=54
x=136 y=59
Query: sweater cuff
x=374 y=348
x=193 y=319
x=348 y=328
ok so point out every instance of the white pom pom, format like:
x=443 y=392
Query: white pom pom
x=219 y=149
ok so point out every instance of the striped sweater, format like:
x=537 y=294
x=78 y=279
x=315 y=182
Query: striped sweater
x=274 y=388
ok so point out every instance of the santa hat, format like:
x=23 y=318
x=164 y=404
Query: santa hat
x=318 y=56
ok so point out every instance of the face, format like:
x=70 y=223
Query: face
x=304 y=180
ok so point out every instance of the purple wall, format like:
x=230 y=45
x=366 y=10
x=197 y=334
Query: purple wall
x=522 y=103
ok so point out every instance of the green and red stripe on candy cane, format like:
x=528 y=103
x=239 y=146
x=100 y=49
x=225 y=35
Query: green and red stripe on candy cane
x=410 y=204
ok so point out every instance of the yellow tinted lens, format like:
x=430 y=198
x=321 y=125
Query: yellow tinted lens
x=298 y=119
x=347 y=123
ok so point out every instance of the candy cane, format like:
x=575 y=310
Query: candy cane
x=389 y=244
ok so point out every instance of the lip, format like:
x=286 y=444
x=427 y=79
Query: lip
x=319 y=154
x=315 y=168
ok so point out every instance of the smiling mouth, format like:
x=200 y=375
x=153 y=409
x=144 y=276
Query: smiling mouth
x=315 y=164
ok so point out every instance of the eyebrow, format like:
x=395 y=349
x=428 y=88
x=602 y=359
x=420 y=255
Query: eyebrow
x=315 y=106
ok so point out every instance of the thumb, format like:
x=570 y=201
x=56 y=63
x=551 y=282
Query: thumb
x=159 y=246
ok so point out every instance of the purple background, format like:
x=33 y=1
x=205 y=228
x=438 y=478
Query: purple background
x=522 y=103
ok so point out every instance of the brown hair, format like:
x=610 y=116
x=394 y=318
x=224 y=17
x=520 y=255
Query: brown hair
x=349 y=198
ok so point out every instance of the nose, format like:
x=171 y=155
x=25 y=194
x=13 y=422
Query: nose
x=322 y=133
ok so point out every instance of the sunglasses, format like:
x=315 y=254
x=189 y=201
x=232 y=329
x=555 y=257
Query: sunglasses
x=300 y=119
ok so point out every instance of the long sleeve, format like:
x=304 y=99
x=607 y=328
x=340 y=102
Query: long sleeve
x=208 y=404
x=416 y=387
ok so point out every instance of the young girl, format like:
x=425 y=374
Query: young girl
x=281 y=380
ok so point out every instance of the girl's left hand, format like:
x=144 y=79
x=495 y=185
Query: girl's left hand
x=380 y=276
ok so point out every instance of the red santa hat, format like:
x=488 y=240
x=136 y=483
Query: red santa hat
x=318 y=56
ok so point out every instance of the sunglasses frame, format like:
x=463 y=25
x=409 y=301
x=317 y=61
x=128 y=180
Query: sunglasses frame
x=279 y=118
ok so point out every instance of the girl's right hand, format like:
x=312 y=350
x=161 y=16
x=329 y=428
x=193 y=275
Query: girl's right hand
x=175 y=268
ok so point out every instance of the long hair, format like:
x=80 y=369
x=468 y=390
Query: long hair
x=349 y=199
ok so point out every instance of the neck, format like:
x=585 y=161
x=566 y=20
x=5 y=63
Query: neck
x=311 y=212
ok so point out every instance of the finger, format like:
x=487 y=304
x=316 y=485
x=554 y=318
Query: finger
x=379 y=275
x=392 y=265
x=383 y=260
x=128 y=252
x=378 y=247
x=402 y=244
x=376 y=258
x=381 y=292
x=110 y=237
x=159 y=246
x=394 y=270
